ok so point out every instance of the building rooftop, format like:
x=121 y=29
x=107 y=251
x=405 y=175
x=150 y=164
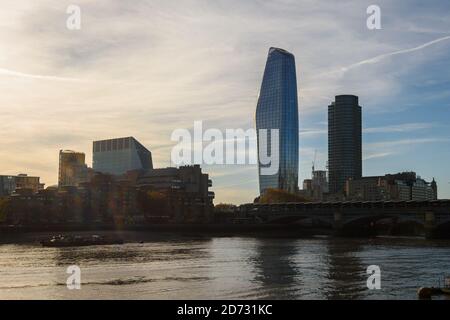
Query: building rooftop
x=272 y=49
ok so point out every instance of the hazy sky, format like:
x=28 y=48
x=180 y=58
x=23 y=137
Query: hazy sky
x=144 y=68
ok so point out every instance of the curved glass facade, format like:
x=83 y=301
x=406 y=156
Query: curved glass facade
x=278 y=109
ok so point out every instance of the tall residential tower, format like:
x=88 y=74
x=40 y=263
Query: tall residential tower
x=278 y=109
x=344 y=142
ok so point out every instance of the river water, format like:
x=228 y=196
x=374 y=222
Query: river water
x=168 y=266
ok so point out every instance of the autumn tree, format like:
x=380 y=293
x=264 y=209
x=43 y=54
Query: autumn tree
x=5 y=203
x=224 y=207
x=279 y=196
x=153 y=203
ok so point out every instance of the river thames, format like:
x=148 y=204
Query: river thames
x=169 y=266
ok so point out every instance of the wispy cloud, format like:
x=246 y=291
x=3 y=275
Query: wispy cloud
x=404 y=142
x=377 y=155
x=381 y=57
x=6 y=72
x=312 y=132
x=404 y=127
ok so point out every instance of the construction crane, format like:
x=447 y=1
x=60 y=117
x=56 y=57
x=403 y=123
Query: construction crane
x=314 y=162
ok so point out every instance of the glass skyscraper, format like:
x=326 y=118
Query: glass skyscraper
x=278 y=109
x=117 y=156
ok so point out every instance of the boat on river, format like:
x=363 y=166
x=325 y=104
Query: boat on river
x=446 y=286
x=443 y=288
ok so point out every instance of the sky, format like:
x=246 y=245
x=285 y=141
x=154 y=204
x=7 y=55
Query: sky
x=146 y=68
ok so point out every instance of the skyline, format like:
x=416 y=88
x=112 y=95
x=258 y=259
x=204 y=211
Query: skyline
x=73 y=81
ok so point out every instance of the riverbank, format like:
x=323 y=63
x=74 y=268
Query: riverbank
x=270 y=230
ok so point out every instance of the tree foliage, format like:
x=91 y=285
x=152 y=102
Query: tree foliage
x=279 y=196
x=4 y=208
x=153 y=202
x=224 y=207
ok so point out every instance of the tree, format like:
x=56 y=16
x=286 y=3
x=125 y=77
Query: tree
x=5 y=203
x=153 y=203
x=280 y=196
x=223 y=207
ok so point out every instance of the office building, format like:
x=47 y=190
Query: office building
x=344 y=142
x=72 y=168
x=277 y=108
x=117 y=156
x=320 y=181
x=7 y=185
x=402 y=186
x=11 y=184
x=187 y=188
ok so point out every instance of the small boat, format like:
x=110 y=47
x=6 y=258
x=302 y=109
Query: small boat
x=79 y=241
x=427 y=293
x=446 y=287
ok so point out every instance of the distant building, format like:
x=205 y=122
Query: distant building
x=187 y=188
x=307 y=185
x=72 y=168
x=319 y=184
x=366 y=189
x=117 y=156
x=401 y=186
x=421 y=190
x=7 y=185
x=277 y=108
x=433 y=185
x=10 y=184
x=315 y=189
x=24 y=181
x=344 y=142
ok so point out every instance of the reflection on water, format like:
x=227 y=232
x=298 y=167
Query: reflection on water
x=345 y=271
x=275 y=269
x=185 y=267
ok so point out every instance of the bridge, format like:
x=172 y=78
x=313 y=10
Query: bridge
x=357 y=218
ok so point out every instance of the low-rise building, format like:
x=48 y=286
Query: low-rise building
x=187 y=189
x=9 y=184
x=401 y=186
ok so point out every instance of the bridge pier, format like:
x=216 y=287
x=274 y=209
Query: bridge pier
x=430 y=223
x=341 y=227
x=436 y=226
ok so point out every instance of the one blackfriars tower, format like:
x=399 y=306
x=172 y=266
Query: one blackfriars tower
x=278 y=109
x=344 y=141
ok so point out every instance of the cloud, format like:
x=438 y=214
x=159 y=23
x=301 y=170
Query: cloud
x=312 y=132
x=404 y=142
x=377 y=155
x=404 y=127
x=13 y=73
x=390 y=54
